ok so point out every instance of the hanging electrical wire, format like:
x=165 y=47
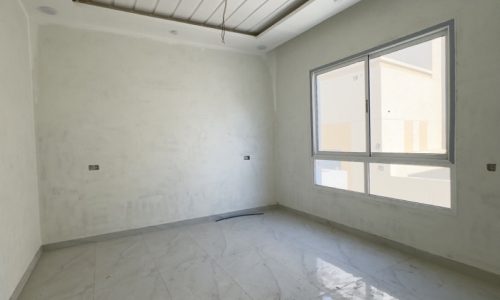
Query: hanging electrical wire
x=223 y=24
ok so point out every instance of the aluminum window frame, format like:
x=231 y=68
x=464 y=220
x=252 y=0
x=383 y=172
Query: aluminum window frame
x=314 y=74
x=446 y=29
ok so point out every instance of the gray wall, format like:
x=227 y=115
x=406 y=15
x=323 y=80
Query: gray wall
x=471 y=235
x=168 y=125
x=19 y=213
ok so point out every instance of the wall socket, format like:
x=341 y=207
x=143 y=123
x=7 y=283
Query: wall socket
x=93 y=167
x=491 y=167
x=246 y=157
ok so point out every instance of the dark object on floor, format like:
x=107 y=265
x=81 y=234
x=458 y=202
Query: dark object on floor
x=237 y=216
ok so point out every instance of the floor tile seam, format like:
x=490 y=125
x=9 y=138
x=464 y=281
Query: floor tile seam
x=336 y=260
x=330 y=228
x=163 y=280
x=267 y=267
x=344 y=254
x=171 y=268
x=391 y=265
x=362 y=240
x=72 y=259
x=391 y=285
x=156 y=264
x=235 y=253
x=323 y=252
x=58 y=271
x=302 y=277
x=117 y=260
x=216 y=257
x=149 y=250
x=141 y=241
x=120 y=260
x=190 y=235
x=233 y=278
x=154 y=275
x=126 y=248
x=150 y=273
x=348 y=261
x=290 y=271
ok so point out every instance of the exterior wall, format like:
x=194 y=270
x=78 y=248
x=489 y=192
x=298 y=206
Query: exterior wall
x=168 y=125
x=410 y=104
x=19 y=210
x=469 y=234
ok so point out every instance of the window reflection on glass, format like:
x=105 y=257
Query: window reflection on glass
x=408 y=99
x=341 y=109
x=345 y=175
x=423 y=184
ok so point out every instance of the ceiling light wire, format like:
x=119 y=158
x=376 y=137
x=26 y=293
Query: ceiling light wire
x=223 y=24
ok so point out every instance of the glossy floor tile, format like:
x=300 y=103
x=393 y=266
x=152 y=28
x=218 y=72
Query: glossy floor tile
x=278 y=255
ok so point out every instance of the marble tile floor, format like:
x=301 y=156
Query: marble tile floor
x=278 y=255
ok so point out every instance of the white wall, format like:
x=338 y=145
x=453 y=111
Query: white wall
x=470 y=235
x=168 y=125
x=19 y=212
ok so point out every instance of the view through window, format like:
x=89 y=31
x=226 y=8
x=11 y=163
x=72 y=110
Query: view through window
x=382 y=121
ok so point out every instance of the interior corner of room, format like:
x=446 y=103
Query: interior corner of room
x=367 y=125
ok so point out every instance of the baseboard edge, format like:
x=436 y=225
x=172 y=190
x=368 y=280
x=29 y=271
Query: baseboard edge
x=27 y=273
x=129 y=232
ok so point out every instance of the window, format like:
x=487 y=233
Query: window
x=383 y=120
x=347 y=175
x=342 y=130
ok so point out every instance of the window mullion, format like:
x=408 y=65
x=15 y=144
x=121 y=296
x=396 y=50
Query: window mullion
x=368 y=123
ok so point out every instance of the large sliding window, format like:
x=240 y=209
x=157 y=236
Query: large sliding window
x=383 y=120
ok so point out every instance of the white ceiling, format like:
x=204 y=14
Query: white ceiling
x=244 y=16
x=260 y=24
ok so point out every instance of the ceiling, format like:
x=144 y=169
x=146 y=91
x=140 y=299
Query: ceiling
x=254 y=26
x=243 y=16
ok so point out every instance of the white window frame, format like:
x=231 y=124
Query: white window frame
x=447 y=159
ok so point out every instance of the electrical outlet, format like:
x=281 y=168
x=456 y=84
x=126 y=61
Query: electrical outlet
x=93 y=167
x=491 y=167
x=246 y=157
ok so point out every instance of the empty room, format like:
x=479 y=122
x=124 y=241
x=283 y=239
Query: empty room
x=249 y=149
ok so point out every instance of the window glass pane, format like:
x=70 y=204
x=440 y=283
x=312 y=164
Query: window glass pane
x=422 y=184
x=341 y=112
x=408 y=99
x=345 y=175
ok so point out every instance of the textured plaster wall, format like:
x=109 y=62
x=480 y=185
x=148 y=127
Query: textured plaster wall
x=168 y=125
x=19 y=211
x=471 y=234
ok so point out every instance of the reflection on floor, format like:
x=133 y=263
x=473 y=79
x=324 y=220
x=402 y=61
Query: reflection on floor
x=278 y=255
